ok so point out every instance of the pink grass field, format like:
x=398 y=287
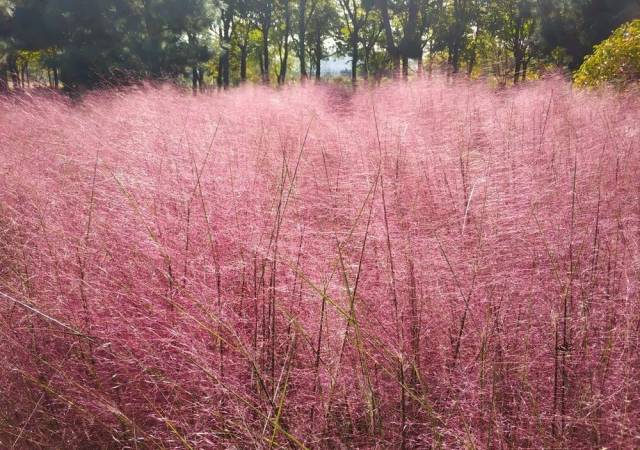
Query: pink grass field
x=421 y=265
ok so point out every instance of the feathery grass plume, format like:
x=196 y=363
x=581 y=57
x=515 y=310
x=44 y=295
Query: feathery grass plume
x=425 y=264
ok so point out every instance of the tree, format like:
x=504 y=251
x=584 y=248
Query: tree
x=283 y=29
x=319 y=28
x=181 y=36
x=392 y=48
x=478 y=24
x=85 y=44
x=244 y=26
x=616 y=60
x=6 y=11
x=225 y=31
x=371 y=37
x=114 y=41
x=264 y=13
x=458 y=32
x=404 y=23
x=575 y=26
x=306 y=12
x=515 y=23
x=356 y=14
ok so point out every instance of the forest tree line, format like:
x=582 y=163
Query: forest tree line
x=83 y=44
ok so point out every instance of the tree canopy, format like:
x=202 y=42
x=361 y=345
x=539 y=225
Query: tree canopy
x=615 y=61
x=78 y=44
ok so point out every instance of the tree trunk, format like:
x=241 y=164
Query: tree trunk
x=4 y=79
x=225 y=68
x=410 y=46
x=261 y=61
x=243 y=62
x=430 y=65
x=265 y=56
x=517 y=52
x=397 y=65
x=471 y=63
x=226 y=36
x=194 y=80
x=365 y=63
x=518 y=66
x=455 y=58
x=458 y=34
x=12 y=64
x=302 y=31
x=154 y=31
x=266 y=26
x=354 y=55
x=287 y=29
x=201 y=79
x=56 y=78
x=318 y=53
x=525 y=66
x=392 y=49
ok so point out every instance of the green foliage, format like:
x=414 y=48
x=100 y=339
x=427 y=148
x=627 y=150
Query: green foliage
x=84 y=43
x=614 y=61
x=5 y=17
x=113 y=41
x=576 y=26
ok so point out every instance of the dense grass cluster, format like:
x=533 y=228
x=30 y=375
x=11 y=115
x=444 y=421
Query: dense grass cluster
x=427 y=264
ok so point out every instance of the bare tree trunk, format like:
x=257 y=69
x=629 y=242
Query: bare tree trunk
x=243 y=62
x=261 y=61
x=265 y=57
x=194 y=80
x=518 y=66
x=23 y=70
x=354 y=55
x=471 y=61
x=287 y=29
x=525 y=66
x=302 y=31
x=225 y=68
x=430 y=66
x=410 y=45
x=455 y=58
x=266 y=26
x=365 y=63
x=318 y=53
x=12 y=65
x=154 y=31
x=455 y=46
x=201 y=79
x=392 y=49
x=226 y=36
x=517 y=53
x=4 y=79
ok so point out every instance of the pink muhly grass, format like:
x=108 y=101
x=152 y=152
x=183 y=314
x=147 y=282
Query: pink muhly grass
x=423 y=264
